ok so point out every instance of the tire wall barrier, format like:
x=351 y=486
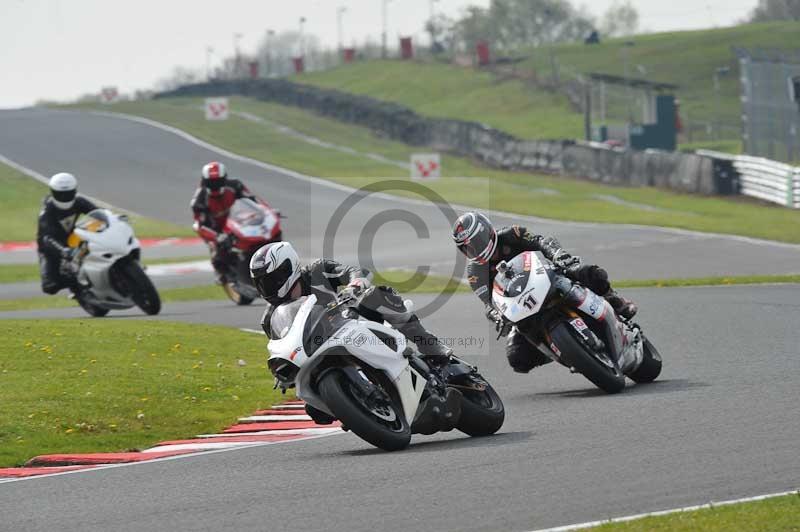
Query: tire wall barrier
x=685 y=172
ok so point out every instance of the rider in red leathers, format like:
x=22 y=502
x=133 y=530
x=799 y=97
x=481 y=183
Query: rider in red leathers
x=211 y=205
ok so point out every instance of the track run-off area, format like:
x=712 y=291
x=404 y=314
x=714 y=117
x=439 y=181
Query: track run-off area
x=720 y=423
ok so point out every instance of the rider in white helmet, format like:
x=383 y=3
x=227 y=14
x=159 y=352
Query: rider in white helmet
x=60 y=210
x=279 y=278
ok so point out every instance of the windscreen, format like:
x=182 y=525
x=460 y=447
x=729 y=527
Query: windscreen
x=95 y=221
x=283 y=317
x=513 y=281
x=247 y=212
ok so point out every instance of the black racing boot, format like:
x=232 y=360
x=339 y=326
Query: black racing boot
x=622 y=306
x=433 y=351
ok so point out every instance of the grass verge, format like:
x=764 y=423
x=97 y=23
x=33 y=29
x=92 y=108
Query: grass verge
x=98 y=385
x=19 y=273
x=404 y=282
x=21 y=200
x=545 y=196
x=770 y=515
x=708 y=281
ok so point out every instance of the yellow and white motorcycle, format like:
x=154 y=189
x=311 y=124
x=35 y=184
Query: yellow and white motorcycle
x=107 y=265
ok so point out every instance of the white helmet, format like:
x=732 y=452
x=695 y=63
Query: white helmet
x=63 y=189
x=275 y=268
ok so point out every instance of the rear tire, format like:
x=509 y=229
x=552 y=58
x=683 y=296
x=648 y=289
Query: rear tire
x=650 y=367
x=143 y=293
x=92 y=310
x=482 y=412
x=336 y=390
x=608 y=379
x=234 y=294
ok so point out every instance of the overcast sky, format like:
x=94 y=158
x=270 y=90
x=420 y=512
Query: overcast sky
x=59 y=49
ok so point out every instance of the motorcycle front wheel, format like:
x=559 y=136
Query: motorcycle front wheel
x=597 y=367
x=383 y=424
x=142 y=291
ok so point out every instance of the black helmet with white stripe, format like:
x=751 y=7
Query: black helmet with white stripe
x=275 y=268
x=475 y=237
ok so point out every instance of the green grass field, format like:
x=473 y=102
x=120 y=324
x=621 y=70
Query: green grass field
x=545 y=196
x=110 y=385
x=779 y=514
x=687 y=58
x=21 y=200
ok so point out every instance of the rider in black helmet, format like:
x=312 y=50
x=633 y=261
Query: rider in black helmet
x=475 y=237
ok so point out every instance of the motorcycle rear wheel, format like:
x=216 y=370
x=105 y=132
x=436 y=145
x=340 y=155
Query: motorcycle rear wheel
x=341 y=397
x=482 y=411
x=234 y=295
x=603 y=375
x=650 y=367
x=92 y=310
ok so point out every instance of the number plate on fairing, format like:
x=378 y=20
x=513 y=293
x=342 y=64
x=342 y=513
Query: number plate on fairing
x=525 y=291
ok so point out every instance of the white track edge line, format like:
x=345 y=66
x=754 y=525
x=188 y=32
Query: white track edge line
x=331 y=184
x=591 y=524
x=164 y=459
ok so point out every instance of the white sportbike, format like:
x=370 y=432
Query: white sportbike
x=367 y=375
x=106 y=261
x=571 y=324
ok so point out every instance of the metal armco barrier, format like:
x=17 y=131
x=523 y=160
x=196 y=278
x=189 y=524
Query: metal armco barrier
x=765 y=179
x=685 y=172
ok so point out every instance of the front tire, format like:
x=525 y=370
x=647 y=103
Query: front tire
x=142 y=291
x=650 y=368
x=603 y=374
x=482 y=411
x=342 y=398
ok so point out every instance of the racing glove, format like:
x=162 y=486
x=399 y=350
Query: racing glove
x=224 y=241
x=564 y=260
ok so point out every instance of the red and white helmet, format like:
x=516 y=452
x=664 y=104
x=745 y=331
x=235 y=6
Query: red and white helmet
x=215 y=177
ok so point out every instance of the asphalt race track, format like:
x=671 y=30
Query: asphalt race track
x=720 y=423
x=154 y=172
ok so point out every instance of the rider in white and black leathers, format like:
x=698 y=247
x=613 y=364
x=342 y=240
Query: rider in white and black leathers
x=278 y=276
x=60 y=210
x=475 y=236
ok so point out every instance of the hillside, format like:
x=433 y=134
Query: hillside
x=448 y=91
x=685 y=58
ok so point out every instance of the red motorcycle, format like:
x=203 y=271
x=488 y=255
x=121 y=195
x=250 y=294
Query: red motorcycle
x=252 y=225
